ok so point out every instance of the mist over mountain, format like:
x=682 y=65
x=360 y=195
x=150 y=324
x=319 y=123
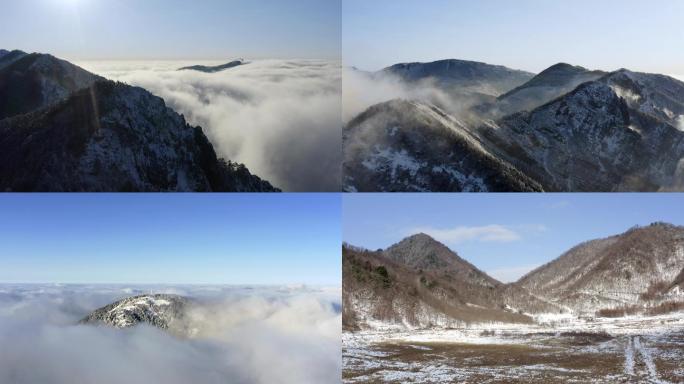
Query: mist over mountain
x=65 y=129
x=565 y=129
x=393 y=159
x=239 y=334
x=420 y=283
x=279 y=117
x=640 y=266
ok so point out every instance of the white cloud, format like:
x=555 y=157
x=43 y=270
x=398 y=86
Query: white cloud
x=282 y=118
x=362 y=90
x=487 y=233
x=244 y=335
x=511 y=274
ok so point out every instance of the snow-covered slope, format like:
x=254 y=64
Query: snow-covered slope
x=638 y=267
x=64 y=129
x=566 y=129
x=113 y=137
x=420 y=283
x=160 y=310
x=595 y=139
x=409 y=146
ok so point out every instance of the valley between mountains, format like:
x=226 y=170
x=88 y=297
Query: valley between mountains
x=607 y=310
x=474 y=127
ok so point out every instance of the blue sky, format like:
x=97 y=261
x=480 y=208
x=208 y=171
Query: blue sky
x=173 y=29
x=505 y=235
x=171 y=239
x=522 y=34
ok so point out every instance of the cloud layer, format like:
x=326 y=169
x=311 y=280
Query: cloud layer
x=245 y=335
x=362 y=90
x=460 y=234
x=281 y=118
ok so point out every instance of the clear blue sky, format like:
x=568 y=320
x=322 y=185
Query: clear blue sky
x=522 y=34
x=173 y=29
x=171 y=238
x=503 y=234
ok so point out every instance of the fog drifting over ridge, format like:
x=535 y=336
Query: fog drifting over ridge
x=281 y=118
x=245 y=335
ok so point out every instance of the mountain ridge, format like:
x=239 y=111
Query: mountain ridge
x=69 y=130
x=566 y=129
x=420 y=283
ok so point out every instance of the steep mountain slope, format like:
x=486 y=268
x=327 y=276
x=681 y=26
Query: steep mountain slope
x=655 y=95
x=32 y=81
x=593 y=139
x=408 y=146
x=113 y=137
x=162 y=311
x=634 y=268
x=566 y=129
x=475 y=77
x=420 y=283
x=213 y=69
x=422 y=252
x=550 y=84
x=70 y=130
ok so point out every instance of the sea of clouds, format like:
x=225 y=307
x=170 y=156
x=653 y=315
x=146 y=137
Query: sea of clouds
x=246 y=335
x=281 y=118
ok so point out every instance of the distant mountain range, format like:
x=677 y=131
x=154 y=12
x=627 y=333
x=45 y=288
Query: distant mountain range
x=566 y=129
x=420 y=283
x=213 y=69
x=63 y=129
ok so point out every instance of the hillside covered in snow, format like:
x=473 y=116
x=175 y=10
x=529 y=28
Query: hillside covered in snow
x=419 y=283
x=566 y=129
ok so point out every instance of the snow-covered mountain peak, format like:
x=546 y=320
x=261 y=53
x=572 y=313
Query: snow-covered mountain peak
x=159 y=310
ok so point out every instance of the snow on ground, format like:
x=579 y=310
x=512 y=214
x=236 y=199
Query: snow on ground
x=559 y=349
